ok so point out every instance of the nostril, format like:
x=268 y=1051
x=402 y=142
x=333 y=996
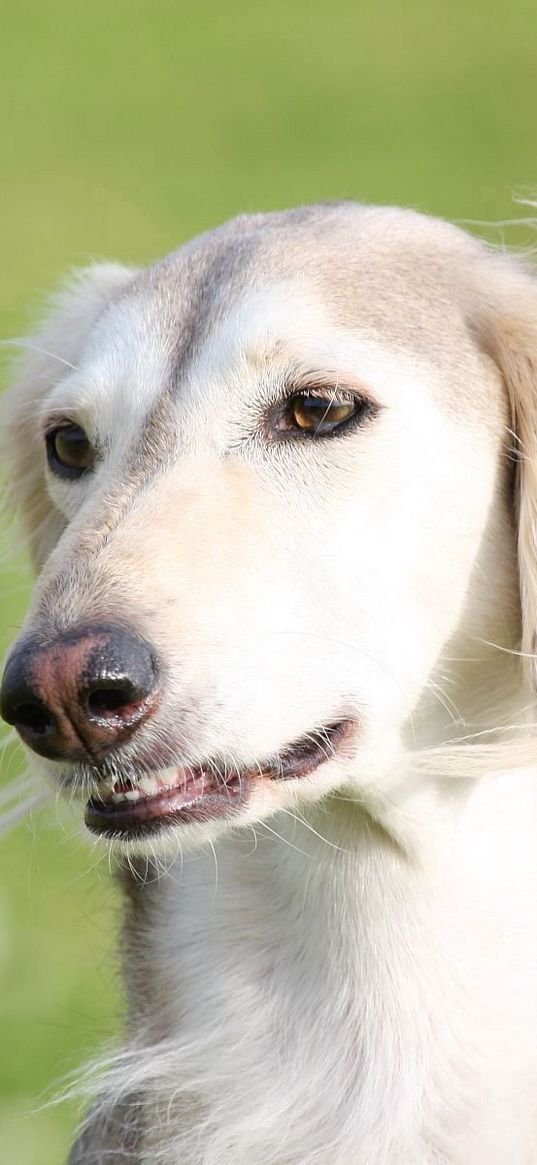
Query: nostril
x=114 y=701
x=33 y=719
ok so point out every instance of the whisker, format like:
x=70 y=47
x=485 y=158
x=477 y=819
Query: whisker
x=307 y=825
x=15 y=343
x=284 y=840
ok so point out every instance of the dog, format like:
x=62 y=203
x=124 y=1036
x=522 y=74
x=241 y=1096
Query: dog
x=280 y=491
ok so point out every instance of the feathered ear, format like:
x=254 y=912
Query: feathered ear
x=509 y=331
x=47 y=357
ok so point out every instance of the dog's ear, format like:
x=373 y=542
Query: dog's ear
x=47 y=357
x=508 y=327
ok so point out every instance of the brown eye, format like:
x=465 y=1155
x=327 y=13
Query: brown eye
x=318 y=415
x=69 y=451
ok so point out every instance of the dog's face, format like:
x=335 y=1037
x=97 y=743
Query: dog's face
x=267 y=483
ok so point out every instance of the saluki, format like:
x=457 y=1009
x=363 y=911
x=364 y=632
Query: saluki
x=280 y=490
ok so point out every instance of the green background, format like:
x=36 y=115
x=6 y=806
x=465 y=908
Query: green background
x=126 y=128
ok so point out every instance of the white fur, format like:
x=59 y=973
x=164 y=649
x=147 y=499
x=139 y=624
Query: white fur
x=348 y=975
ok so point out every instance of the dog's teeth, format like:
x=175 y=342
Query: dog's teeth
x=149 y=785
x=126 y=795
x=146 y=786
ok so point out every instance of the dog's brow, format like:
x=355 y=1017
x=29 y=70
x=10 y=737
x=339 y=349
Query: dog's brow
x=195 y=288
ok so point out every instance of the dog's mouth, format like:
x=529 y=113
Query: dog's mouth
x=175 y=796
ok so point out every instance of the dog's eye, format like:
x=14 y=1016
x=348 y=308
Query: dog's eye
x=70 y=453
x=314 y=414
x=318 y=414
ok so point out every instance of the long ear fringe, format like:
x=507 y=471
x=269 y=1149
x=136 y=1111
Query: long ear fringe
x=509 y=331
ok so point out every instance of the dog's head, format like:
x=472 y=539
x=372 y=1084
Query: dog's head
x=269 y=485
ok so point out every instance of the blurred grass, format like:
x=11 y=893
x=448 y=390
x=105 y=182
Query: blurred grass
x=126 y=127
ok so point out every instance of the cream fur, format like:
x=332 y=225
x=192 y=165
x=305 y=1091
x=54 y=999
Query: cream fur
x=346 y=976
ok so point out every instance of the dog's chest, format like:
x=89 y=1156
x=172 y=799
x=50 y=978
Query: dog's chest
x=289 y=1021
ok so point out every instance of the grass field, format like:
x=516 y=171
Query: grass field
x=127 y=126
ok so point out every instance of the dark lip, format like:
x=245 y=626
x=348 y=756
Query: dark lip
x=206 y=794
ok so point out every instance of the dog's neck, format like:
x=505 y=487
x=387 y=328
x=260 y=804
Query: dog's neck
x=315 y=978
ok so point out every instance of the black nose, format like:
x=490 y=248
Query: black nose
x=79 y=695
